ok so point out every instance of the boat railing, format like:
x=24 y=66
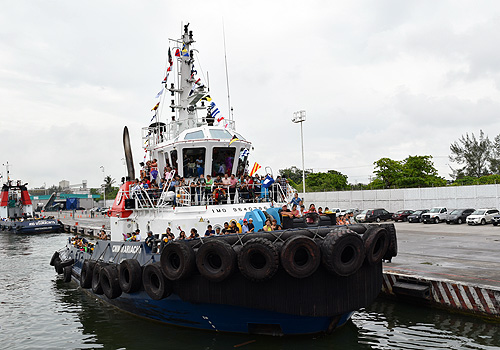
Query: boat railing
x=186 y=196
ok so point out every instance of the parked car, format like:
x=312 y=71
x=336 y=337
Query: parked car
x=377 y=215
x=496 y=220
x=416 y=216
x=481 y=216
x=458 y=216
x=402 y=215
x=435 y=215
x=361 y=216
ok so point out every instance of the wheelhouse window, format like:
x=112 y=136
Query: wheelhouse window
x=193 y=161
x=220 y=134
x=222 y=160
x=196 y=135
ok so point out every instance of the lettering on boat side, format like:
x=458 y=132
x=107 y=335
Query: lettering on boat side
x=126 y=249
x=223 y=210
x=41 y=222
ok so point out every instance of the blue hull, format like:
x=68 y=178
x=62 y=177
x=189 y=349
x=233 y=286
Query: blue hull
x=31 y=226
x=223 y=318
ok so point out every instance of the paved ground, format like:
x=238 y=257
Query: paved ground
x=459 y=253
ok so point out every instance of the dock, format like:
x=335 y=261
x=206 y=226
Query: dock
x=454 y=267
x=449 y=266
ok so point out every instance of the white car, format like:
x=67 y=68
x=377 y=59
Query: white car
x=361 y=217
x=481 y=216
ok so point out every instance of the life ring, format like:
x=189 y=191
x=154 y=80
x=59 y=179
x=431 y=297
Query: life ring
x=258 y=259
x=96 y=279
x=376 y=241
x=86 y=273
x=130 y=275
x=300 y=256
x=154 y=282
x=216 y=260
x=311 y=219
x=54 y=257
x=67 y=273
x=177 y=260
x=109 y=281
x=342 y=251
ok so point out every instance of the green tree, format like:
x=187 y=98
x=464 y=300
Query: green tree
x=293 y=173
x=495 y=156
x=472 y=153
x=331 y=180
x=389 y=171
x=419 y=171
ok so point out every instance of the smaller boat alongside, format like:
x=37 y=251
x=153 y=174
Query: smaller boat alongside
x=16 y=211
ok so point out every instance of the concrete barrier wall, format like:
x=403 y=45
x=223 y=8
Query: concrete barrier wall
x=453 y=197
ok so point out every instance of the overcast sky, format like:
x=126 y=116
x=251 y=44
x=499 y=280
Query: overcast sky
x=376 y=78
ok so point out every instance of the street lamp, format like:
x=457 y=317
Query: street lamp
x=300 y=117
x=104 y=186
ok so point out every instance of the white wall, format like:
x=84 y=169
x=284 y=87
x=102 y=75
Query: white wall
x=454 y=197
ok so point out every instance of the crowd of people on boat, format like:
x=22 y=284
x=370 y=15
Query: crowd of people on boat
x=82 y=244
x=209 y=189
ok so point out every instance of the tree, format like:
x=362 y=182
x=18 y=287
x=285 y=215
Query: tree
x=414 y=171
x=473 y=153
x=108 y=184
x=293 y=173
x=419 y=171
x=495 y=156
x=331 y=180
x=388 y=170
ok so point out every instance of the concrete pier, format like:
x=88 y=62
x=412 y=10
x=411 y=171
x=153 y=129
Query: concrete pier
x=451 y=266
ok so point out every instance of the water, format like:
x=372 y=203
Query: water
x=39 y=311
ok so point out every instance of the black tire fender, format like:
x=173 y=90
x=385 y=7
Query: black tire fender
x=342 y=251
x=67 y=273
x=300 y=256
x=57 y=265
x=130 y=275
x=69 y=262
x=96 y=278
x=258 y=259
x=216 y=260
x=86 y=273
x=109 y=281
x=155 y=284
x=54 y=257
x=376 y=243
x=392 y=250
x=177 y=260
x=313 y=219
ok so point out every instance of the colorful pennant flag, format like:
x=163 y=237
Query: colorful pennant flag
x=207 y=98
x=256 y=167
x=244 y=153
x=156 y=107
x=235 y=138
x=177 y=53
x=161 y=92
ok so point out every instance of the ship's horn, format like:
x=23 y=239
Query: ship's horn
x=128 y=154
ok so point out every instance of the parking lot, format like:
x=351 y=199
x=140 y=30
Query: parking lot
x=457 y=252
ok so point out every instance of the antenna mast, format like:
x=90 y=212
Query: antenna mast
x=227 y=77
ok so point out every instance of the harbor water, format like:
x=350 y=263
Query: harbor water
x=39 y=311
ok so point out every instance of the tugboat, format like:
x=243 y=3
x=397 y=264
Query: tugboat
x=306 y=277
x=16 y=211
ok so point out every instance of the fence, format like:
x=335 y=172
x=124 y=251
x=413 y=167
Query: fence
x=477 y=196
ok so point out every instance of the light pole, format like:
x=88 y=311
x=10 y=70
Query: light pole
x=104 y=186
x=300 y=117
